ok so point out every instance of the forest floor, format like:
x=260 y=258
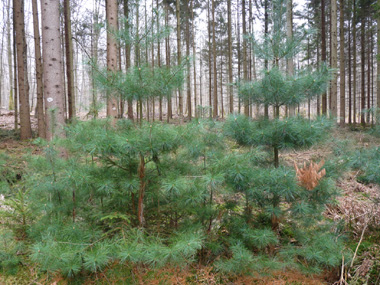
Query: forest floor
x=358 y=205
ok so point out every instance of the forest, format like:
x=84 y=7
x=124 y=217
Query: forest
x=189 y=142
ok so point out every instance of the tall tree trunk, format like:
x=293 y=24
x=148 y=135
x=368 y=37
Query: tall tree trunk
x=38 y=62
x=289 y=35
x=209 y=58
x=323 y=47
x=349 y=76
x=342 y=89
x=9 y=55
x=52 y=69
x=369 y=51
x=354 y=46
x=112 y=24
x=362 y=51
x=15 y=79
x=230 y=79
x=266 y=31
x=238 y=50
x=22 y=70
x=69 y=60
x=334 y=59
x=188 y=77
x=194 y=58
x=167 y=59
x=128 y=55
x=245 y=67
x=378 y=59
x=215 y=79
x=178 y=15
x=159 y=58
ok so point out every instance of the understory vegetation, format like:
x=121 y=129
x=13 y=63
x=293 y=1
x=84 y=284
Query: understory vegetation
x=161 y=195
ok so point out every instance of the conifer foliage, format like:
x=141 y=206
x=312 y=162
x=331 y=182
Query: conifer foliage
x=160 y=194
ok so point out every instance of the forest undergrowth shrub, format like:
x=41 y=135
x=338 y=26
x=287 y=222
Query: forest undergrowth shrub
x=161 y=194
x=367 y=161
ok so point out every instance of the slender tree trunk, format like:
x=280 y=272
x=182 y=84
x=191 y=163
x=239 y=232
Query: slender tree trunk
x=9 y=54
x=230 y=79
x=112 y=24
x=194 y=59
x=159 y=58
x=334 y=59
x=349 y=76
x=378 y=59
x=266 y=31
x=354 y=46
x=69 y=60
x=167 y=55
x=1 y=66
x=38 y=62
x=369 y=51
x=245 y=66
x=188 y=77
x=323 y=47
x=15 y=79
x=215 y=78
x=178 y=14
x=209 y=58
x=342 y=89
x=221 y=86
x=52 y=69
x=128 y=55
x=22 y=70
x=289 y=35
x=362 y=43
x=238 y=50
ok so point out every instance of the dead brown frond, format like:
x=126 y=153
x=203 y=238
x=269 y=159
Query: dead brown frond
x=309 y=175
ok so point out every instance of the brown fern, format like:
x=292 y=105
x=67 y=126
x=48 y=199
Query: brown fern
x=309 y=175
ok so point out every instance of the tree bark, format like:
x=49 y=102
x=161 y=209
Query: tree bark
x=354 y=62
x=215 y=79
x=52 y=69
x=180 y=98
x=342 y=89
x=266 y=31
x=289 y=35
x=22 y=70
x=362 y=51
x=111 y=11
x=378 y=59
x=69 y=60
x=188 y=77
x=323 y=47
x=349 y=76
x=334 y=59
x=230 y=79
x=128 y=55
x=38 y=62
x=245 y=66
x=9 y=54
x=194 y=59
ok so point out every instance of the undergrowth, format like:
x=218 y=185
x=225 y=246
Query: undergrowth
x=164 y=195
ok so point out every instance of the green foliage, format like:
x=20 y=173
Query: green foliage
x=278 y=89
x=317 y=249
x=367 y=161
x=275 y=87
x=9 y=260
x=200 y=200
x=243 y=262
x=294 y=132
